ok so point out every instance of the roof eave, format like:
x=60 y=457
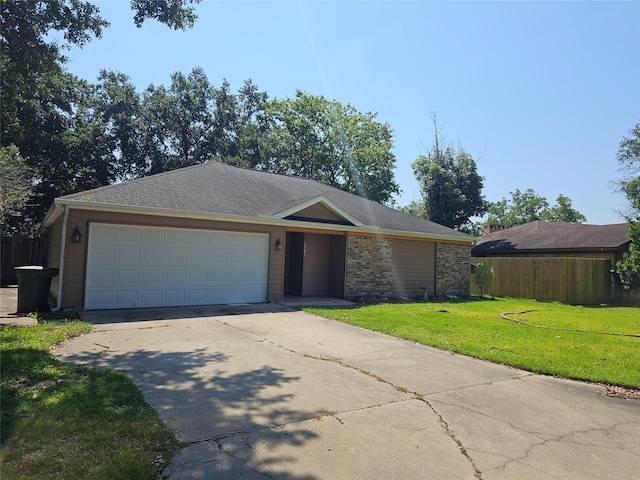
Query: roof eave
x=261 y=220
x=54 y=212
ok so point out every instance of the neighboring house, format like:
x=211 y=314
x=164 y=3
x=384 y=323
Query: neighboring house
x=554 y=239
x=553 y=261
x=215 y=234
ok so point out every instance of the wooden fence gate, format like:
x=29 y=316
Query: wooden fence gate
x=585 y=281
x=18 y=251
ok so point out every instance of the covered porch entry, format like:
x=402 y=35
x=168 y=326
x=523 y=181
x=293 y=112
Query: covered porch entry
x=315 y=263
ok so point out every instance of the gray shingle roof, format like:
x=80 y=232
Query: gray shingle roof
x=542 y=235
x=218 y=188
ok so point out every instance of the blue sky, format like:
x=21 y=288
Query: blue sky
x=540 y=93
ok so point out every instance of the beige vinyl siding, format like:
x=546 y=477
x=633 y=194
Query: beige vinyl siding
x=319 y=212
x=73 y=291
x=413 y=267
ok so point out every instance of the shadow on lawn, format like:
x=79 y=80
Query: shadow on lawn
x=221 y=413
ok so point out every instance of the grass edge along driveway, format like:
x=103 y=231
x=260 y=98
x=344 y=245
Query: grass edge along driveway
x=60 y=421
x=545 y=339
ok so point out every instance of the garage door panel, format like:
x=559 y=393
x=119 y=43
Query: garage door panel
x=199 y=239
x=237 y=295
x=218 y=275
x=104 y=233
x=152 y=276
x=131 y=266
x=177 y=296
x=153 y=237
x=176 y=276
x=198 y=276
x=151 y=297
x=198 y=257
x=105 y=256
x=101 y=276
x=197 y=295
x=177 y=238
x=153 y=255
x=126 y=297
x=130 y=235
x=240 y=276
x=238 y=258
x=176 y=256
x=219 y=240
x=101 y=298
x=219 y=257
x=128 y=255
x=128 y=276
x=254 y=276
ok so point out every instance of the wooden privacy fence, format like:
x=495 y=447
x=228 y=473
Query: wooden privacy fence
x=584 y=281
x=18 y=251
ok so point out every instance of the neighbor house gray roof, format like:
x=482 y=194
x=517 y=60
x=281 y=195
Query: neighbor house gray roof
x=215 y=188
x=553 y=236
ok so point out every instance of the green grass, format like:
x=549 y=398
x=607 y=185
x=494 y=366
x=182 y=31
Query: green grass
x=473 y=327
x=60 y=421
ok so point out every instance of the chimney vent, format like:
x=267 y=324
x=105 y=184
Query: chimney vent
x=492 y=227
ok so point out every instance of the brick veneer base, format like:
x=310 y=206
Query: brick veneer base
x=369 y=266
x=453 y=269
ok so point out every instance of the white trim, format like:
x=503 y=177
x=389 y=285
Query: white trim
x=63 y=244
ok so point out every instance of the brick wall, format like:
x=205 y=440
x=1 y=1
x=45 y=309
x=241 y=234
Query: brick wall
x=453 y=270
x=369 y=266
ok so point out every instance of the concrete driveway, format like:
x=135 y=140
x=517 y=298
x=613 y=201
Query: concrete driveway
x=269 y=392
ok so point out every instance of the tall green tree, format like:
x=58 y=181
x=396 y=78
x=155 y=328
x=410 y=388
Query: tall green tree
x=254 y=140
x=45 y=109
x=180 y=122
x=563 y=211
x=628 y=157
x=117 y=108
x=450 y=185
x=333 y=143
x=528 y=206
x=16 y=185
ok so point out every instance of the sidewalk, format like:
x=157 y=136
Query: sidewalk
x=9 y=305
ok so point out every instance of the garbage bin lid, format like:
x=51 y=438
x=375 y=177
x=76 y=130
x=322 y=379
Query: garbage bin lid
x=32 y=267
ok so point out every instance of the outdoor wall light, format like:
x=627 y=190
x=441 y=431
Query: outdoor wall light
x=278 y=244
x=76 y=236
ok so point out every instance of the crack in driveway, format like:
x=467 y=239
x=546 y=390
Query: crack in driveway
x=414 y=395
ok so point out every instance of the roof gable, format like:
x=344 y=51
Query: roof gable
x=319 y=209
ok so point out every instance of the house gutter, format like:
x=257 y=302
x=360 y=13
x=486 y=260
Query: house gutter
x=63 y=245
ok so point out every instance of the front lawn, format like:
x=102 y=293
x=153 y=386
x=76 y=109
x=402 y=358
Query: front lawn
x=548 y=343
x=60 y=421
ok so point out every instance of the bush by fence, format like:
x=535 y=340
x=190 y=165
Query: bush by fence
x=584 y=281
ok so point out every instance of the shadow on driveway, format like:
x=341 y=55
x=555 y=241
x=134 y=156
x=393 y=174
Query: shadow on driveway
x=247 y=403
x=98 y=317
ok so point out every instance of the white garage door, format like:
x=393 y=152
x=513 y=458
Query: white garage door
x=131 y=266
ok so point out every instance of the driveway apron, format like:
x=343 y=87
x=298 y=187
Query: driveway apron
x=268 y=392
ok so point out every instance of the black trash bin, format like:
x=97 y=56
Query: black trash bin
x=33 y=288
